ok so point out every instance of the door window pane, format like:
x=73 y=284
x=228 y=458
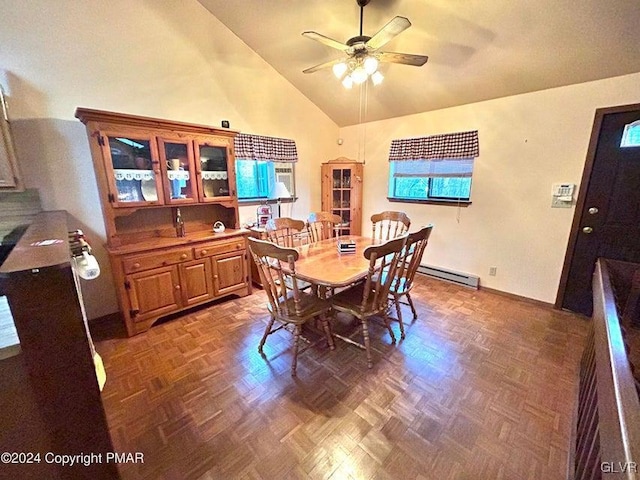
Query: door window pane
x=631 y=135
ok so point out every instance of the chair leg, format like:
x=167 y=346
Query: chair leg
x=387 y=322
x=396 y=300
x=413 y=309
x=367 y=346
x=266 y=332
x=327 y=331
x=294 y=362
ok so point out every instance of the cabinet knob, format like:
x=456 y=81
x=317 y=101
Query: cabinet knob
x=587 y=229
x=177 y=287
x=239 y=245
x=136 y=265
x=183 y=256
x=215 y=277
x=203 y=252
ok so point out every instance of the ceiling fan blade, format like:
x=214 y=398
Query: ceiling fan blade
x=396 y=26
x=330 y=42
x=404 y=58
x=323 y=65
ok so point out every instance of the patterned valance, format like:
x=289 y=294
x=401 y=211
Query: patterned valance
x=257 y=147
x=447 y=145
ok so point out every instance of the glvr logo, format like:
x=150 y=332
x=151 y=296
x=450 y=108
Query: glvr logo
x=618 y=467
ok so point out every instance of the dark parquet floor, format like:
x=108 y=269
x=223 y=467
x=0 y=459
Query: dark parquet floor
x=483 y=387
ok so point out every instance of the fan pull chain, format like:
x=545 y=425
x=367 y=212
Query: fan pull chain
x=362 y=118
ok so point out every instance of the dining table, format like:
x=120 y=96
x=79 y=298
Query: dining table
x=320 y=263
x=326 y=268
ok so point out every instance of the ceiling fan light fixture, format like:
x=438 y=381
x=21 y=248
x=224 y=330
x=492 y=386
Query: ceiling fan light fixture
x=362 y=54
x=347 y=82
x=359 y=75
x=370 y=65
x=377 y=78
x=339 y=69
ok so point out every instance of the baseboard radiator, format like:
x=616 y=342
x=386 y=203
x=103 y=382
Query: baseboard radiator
x=464 y=279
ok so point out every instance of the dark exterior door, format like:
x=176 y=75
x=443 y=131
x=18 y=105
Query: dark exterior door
x=607 y=218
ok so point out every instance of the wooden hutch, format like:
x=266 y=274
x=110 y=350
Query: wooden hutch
x=149 y=173
x=342 y=193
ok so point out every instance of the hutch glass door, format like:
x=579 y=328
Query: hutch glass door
x=134 y=177
x=341 y=198
x=215 y=171
x=179 y=185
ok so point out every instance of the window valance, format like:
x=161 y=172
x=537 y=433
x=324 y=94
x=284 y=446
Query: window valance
x=258 y=147
x=449 y=146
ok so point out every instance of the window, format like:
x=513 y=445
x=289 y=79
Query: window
x=422 y=186
x=262 y=163
x=631 y=135
x=255 y=179
x=437 y=168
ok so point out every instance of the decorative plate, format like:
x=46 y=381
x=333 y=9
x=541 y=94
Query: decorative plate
x=148 y=188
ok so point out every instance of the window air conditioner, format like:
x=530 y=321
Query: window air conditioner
x=285 y=174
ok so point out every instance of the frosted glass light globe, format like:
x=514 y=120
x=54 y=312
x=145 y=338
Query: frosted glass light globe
x=339 y=69
x=359 y=75
x=370 y=65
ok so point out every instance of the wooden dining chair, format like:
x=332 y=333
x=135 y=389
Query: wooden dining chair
x=290 y=233
x=389 y=224
x=288 y=305
x=407 y=267
x=322 y=225
x=371 y=297
x=286 y=232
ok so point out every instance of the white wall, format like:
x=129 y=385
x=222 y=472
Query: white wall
x=157 y=58
x=527 y=143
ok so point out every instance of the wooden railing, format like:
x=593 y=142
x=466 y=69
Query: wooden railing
x=607 y=429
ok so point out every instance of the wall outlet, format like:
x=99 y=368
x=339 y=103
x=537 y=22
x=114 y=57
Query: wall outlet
x=492 y=271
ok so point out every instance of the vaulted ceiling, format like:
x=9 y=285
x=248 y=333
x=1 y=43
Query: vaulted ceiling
x=477 y=49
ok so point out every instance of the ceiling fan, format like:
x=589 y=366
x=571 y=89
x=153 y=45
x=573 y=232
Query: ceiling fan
x=363 y=54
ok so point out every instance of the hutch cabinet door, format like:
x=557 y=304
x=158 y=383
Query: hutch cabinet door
x=197 y=285
x=178 y=171
x=132 y=168
x=216 y=169
x=154 y=292
x=342 y=194
x=229 y=273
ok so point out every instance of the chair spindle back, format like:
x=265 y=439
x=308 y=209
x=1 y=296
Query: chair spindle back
x=285 y=232
x=322 y=225
x=269 y=259
x=383 y=263
x=389 y=224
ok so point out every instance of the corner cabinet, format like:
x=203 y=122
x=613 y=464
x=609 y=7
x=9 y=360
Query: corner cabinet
x=342 y=193
x=147 y=169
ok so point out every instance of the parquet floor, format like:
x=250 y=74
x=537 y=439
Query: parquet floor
x=482 y=388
